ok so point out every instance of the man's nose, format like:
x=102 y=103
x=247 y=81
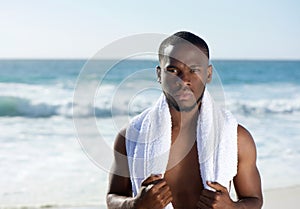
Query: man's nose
x=185 y=78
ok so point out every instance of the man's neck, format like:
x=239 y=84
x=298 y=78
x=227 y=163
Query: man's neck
x=184 y=119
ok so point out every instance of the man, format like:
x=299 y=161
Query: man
x=183 y=73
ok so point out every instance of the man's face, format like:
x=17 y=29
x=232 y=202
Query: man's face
x=183 y=74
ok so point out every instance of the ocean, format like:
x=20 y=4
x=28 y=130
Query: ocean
x=44 y=161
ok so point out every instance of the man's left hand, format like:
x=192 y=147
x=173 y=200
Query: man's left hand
x=217 y=200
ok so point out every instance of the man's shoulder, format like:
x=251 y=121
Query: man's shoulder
x=119 y=144
x=243 y=134
x=246 y=144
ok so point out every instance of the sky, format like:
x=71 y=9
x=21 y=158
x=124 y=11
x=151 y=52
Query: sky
x=233 y=29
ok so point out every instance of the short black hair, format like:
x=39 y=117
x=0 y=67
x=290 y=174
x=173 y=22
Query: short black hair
x=181 y=37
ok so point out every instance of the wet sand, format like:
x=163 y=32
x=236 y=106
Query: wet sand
x=282 y=198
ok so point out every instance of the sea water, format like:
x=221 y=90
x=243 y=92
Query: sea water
x=42 y=162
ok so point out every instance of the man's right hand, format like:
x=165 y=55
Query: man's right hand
x=154 y=193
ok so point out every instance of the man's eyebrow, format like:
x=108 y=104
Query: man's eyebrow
x=171 y=66
x=196 y=65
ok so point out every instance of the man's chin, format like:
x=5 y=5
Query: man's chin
x=188 y=109
x=184 y=107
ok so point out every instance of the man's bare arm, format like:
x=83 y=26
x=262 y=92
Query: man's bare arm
x=247 y=182
x=119 y=194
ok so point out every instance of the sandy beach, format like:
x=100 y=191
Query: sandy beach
x=285 y=198
x=281 y=198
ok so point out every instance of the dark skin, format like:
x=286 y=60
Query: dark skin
x=183 y=75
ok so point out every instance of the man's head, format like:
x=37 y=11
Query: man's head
x=182 y=37
x=184 y=69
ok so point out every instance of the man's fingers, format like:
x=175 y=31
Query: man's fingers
x=164 y=198
x=151 y=179
x=206 y=200
x=161 y=189
x=218 y=187
x=158 y=189
x=158 y=186
x=168 y=200
x=160 y=194
x=166 y=193
x=209 y=194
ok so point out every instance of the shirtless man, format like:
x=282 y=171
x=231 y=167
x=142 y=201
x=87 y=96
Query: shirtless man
x=182 y=185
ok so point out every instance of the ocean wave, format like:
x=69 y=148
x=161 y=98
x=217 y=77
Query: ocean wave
x=23 y=107
x=15 y=106
x=265 y=107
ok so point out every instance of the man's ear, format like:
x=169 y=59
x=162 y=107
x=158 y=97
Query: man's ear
x=209 y=73
x=158 y=73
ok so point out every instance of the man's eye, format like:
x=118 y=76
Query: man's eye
x=172 y=70
x=195 y=70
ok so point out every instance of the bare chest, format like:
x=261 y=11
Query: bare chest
x=183 y=174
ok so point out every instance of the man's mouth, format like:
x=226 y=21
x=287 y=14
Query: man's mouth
x=184 y=95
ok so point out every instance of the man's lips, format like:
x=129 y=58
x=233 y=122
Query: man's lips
x=185 y=95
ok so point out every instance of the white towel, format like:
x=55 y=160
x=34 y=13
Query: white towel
x=148 y=142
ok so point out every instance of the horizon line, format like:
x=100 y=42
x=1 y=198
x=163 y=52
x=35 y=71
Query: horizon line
x=140 y=59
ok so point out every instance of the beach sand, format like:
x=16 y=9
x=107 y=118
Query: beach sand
x=282 y=198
